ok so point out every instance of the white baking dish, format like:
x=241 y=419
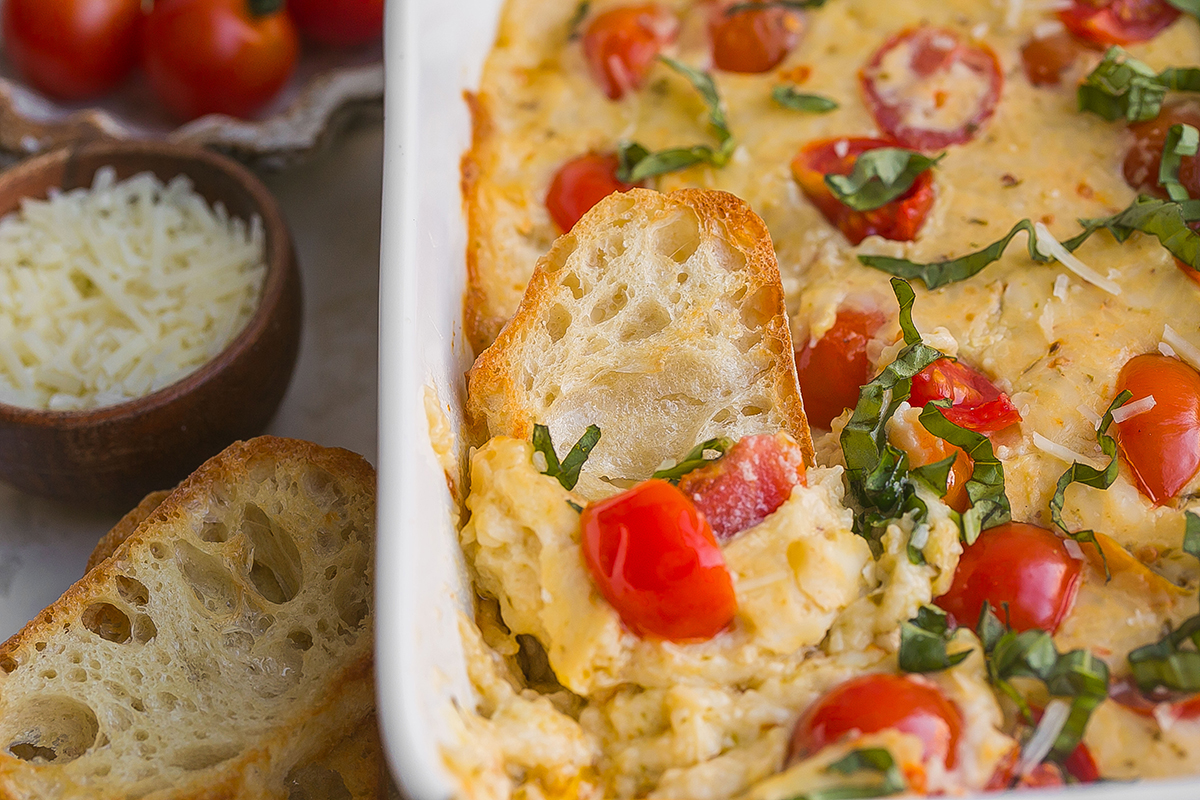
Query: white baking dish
x=436 y=52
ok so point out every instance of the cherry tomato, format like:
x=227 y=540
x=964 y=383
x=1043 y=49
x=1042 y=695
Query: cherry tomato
x=975 y=402
x=216 y=57
x=621 y=44
x=924 y=448
x=871 y=703
x=833 y=368
x=1021 y=565
x=747 y=484
x=1162 y=445
x=654 y=558
x=580 y=184
x=338 y=22
x=1046 y=58
x=72 y=49
x=899 y=220
x=752 y=40
x=1141 y=160
x=1107 y=22
x=927 y=89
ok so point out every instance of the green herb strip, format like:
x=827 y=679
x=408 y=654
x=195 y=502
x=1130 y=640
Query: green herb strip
x=875 y=760
x=879 y=177
x=795 y=5
x=566 y=472
x=576 y=22
x=923 y=642
x=989 y=503
x=695 y=459
x=636 y=163
x=794 y=100
x=1090 y=476
x=1164 y=664
x=1187 y=6
x=1165 y=220
x=1181 y=141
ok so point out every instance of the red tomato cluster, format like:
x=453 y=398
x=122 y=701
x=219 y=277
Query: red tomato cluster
x=199 y=56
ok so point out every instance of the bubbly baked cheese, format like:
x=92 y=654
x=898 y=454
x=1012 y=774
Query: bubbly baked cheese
x=712 y=719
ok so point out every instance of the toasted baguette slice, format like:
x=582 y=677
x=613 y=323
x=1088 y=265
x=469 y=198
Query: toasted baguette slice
x=660 y=318
x=223 y=649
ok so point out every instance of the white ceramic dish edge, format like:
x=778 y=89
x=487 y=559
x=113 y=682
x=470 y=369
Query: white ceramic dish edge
x=433 y=57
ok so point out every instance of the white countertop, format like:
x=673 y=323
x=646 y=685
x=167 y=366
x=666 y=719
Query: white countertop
x=332 y=204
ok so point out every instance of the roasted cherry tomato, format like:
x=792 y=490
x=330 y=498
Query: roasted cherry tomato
x=1161 y=445
x=217 y=56
x=752 y=40
x=927 y=89
x=747 y=484
x=1143 y=157
x=924 y=448
x=621 y=44
x=654 y=558
x=1025 y=567
x=338 y=22
x=899 y=220
x=1107 y=22
x=833 y=368
x=72 y=49
x=975 y=402
x=872 y=703
x=580 y=184
x=1046 y=58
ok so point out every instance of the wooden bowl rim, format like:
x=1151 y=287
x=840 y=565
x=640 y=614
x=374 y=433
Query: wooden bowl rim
x=278 y=255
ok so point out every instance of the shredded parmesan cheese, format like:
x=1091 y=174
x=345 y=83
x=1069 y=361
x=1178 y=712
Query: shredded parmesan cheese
x=114 y=292
x=1042 y=741
x=1061 y=452
x=1047 y=245
x=1185 y=349
x=1167 y=350
x=1133 y=409
x=1073 y=549
x=1090 y=416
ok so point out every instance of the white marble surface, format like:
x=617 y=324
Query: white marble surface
x=332 y=204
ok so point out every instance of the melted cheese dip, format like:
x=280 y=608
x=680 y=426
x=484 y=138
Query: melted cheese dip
x=712 y=720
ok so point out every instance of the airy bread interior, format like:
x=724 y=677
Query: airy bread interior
x=224 y=644
x=659 y=318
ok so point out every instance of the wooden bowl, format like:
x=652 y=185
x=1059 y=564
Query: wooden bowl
x=113 y=455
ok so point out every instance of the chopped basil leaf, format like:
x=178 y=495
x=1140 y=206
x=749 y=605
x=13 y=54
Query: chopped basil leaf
x=879 y=177
x=940 y=273
x=578 y=509
x=576 y=21
x=798 y=5
x=876 y=471
x=1182 y=140
x=791 y=98
x=695 y=459
x=989 y=503
x=1121 y=86
x=1090 y=476
x=1077 y=675
x=1164 y=664
x=1187 y=6
x=936 y=475
x=1165 y=220
x=636 y=163
x=566 y=472
x=923 y=642
x=868 y=759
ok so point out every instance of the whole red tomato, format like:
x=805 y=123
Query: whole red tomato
x=338 y=22
x=72 y=49
x=218 y=56
x=833 y=368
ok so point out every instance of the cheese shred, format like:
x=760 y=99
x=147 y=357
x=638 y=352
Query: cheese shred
x=1047 y=245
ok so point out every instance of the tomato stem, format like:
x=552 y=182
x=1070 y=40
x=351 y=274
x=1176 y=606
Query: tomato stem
x=264 y=8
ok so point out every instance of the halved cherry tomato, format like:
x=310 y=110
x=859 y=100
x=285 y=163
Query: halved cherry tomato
x=833 y=368
x=654 y=558
x=752 y=40
x=1046 y=58
x=217 y=56
x=1162 y=445
x=1161 y=704
x=872 y=703
x=924 y=448
x=1107 y=22
x=341 y=23
x=1142 y=159
x=899 y=220
x=72 y=49
x=747 y=484
x=621 y=44
x=1019 y=565
x=975 y=402
x=581 y=183
x=927 y=89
